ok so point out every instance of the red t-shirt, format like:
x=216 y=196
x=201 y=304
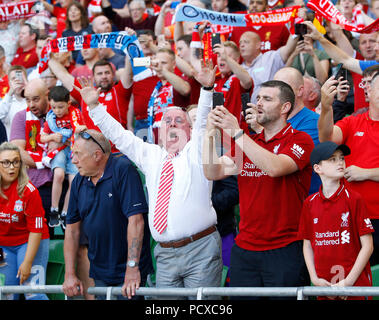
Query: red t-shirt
x=65 y=121
x=21 y=215
x=272 y=37
x=334 y=226
x=4 y=86
x=270 y=207
x=60 y=13
x=142 y=91
x=195 y=86
x=359 y=94
x=27 y=59
x=168 y=97
x=232 y=89
x=361 y=134
x=116 y=101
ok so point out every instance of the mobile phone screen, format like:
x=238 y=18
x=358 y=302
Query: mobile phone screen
x=218 y=99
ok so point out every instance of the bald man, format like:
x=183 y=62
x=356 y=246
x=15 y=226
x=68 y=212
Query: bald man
x=301 y=118
x=25 y=133
x=312 y=93
x=262 y=66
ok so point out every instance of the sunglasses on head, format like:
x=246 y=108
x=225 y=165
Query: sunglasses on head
x=85 y=135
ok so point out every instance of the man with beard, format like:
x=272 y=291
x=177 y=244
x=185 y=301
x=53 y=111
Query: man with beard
x=114 y=97
x=267 y=252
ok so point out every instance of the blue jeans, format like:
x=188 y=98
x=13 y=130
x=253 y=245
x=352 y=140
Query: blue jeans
x=14 y=256
x=63 y=160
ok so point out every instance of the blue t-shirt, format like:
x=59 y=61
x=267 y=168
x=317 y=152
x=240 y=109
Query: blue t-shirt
x=103 y=210
x=306 y=120
x=365 y=64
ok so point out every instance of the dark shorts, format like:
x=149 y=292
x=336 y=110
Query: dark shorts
x=282 y=267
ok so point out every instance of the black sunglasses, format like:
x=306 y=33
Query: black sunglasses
x=85 y=135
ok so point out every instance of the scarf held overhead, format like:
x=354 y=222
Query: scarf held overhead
x=19 y=10
x=327 y=10
x=115 y=40
x=280 y=16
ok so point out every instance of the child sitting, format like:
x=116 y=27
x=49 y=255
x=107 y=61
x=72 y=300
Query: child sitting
x=61 y=123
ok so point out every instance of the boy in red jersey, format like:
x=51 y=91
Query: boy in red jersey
x=61 y=123
x=335 y=226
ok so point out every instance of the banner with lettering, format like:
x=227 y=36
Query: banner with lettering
x=115 y=40
x=18 y=10
x=192 y=13
x=327 y=9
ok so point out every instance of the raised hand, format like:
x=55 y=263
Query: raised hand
x=328 y=92
x=207 y=74
x=88 y=92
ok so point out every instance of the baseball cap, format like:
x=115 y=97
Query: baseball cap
x=325 y=150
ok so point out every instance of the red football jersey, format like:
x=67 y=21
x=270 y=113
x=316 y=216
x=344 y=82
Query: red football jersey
x=142 y=91
x=65 y=121
x=270 y=207
x=116 y=101
x=21 y=215
x=232 y=89
x=361 y=134
x=27 y=59
x=272 y=37
x=334 y=226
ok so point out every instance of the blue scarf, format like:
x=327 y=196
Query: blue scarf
x=150 y=112
x=51 y=121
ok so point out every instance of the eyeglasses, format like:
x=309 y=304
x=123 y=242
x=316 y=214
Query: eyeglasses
x=7 y=163
x=177 y=120
x=85 y=135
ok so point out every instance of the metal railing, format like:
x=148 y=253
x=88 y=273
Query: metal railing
x=301 y=293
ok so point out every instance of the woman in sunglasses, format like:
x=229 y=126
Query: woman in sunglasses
x=24 y=235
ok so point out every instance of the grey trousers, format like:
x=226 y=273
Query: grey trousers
x=198 y=264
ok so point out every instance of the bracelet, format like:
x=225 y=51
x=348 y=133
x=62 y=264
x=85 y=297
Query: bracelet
x=239 y=134
x=208 y=88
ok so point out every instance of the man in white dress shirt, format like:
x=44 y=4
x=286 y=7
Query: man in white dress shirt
x=188 y=253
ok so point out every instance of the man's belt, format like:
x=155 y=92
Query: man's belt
x=185 y=241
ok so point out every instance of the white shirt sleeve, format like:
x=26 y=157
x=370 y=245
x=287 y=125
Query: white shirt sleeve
x=141 y=153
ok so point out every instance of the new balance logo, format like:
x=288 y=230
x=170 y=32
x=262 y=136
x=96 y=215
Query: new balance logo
x=359 y=134
x=345 y=237
x=368 y=223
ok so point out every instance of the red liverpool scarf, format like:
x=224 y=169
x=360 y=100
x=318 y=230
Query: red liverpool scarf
x=19 y=10
x=34 y=147
x=326 y=9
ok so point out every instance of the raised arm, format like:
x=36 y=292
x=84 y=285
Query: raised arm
x=237 y=69
x=138 y=151
x=334 y=52
x=326 y=129
x=290 y=46
x=61 y=73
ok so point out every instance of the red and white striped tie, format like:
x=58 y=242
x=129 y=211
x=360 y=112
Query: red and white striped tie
x=164 y=193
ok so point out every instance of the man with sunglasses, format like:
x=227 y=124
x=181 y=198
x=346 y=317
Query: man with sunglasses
x=181 y=217
x=107 y=205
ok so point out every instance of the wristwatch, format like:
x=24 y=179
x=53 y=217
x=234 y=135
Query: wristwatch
x=132 y=264
x=238 y=134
